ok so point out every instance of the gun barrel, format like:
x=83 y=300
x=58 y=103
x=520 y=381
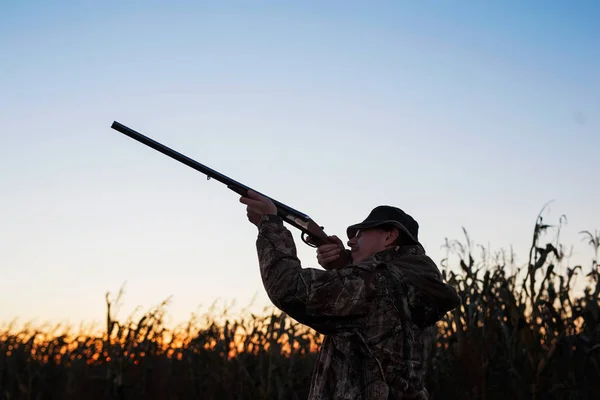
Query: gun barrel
x=232 y=184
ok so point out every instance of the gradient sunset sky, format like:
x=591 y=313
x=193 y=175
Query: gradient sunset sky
x=462 y=113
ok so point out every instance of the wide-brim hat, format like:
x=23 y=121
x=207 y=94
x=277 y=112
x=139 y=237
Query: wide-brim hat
x=388 y=215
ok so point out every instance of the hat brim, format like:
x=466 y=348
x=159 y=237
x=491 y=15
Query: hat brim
x=352 y=229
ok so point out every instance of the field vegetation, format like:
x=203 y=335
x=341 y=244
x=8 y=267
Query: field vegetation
x=522 y=332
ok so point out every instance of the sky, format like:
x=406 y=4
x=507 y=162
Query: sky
x=464 y=114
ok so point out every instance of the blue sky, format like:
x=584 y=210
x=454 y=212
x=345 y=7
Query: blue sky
x=463 y=114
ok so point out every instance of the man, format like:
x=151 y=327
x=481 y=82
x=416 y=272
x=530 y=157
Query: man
x=377 y=308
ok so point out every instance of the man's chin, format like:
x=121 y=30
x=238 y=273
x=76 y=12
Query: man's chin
x=356 y=257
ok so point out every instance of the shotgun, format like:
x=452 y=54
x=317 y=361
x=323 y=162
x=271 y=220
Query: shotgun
x=293 y=217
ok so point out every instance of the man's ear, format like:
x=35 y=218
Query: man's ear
x=392 y=236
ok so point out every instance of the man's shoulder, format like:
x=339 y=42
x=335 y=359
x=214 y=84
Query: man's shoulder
x=383 y=277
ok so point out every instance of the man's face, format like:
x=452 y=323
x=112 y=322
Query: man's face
x=367 y=242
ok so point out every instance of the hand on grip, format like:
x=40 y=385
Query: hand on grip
x=333 y=255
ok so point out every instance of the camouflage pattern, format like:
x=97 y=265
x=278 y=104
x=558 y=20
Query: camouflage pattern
x=378 y=321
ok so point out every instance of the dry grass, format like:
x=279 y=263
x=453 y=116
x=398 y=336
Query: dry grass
x=521 y=333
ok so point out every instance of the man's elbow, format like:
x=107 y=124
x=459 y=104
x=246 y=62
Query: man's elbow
x=280 y=289
x=283 y=301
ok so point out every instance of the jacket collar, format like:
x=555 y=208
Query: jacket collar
x=394 y=253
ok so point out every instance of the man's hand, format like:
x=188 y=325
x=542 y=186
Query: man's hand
x=257 y=206
x=333 y=255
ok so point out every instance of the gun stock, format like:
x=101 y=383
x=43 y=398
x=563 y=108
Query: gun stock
x=293 y=217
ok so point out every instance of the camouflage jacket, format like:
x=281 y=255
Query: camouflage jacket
x=378 y=327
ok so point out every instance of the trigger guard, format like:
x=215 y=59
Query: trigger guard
x=303 y=237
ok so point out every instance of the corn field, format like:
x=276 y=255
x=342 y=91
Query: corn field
x=522 y=332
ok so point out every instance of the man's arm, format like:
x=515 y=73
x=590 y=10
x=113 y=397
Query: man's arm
x=328 y=301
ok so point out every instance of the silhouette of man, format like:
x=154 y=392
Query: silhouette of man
x=376 y=304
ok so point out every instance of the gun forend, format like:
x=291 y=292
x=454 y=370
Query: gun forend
x=290 y=215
